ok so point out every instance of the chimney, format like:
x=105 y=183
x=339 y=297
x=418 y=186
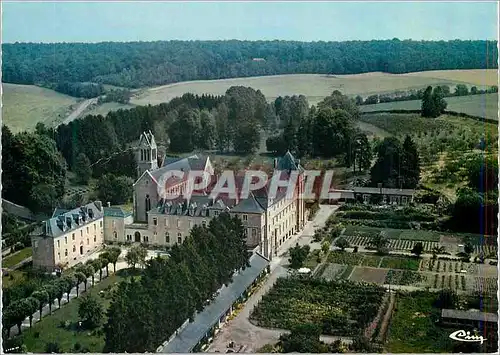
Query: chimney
x=109 y=204
x=275 y=163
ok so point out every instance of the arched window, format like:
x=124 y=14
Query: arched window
x=148 y=204
x=137 y=237
x=115 y=235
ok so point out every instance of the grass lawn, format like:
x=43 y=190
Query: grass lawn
x=312 y=259
x=15 y=277
x=413 y=328
x=14 y=259
x=393 y=262
x=50 y=330
x=26 y=105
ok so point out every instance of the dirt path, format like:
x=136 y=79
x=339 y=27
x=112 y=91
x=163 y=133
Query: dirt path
x=387 y=318
x=79 y=110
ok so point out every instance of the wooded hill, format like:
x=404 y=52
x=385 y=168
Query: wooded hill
x=139 y=64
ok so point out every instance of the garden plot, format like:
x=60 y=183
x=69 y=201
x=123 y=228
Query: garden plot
x=344 y=258
x=394 y=244
x=485 y=249
x=419 y=235
x=392 y=262
x=334 y=305
x=334 y=271
x=483 y=284
x=371 y=260
x=406 y=277
x=368 y=274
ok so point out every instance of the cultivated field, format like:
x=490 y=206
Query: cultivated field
x=476 y=105
x=26 y=105
x=314 y=86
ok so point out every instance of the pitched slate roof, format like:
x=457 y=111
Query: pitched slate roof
x=116 y=212
x=192 y=163
x=70 y=220
x=288 y=162
x=58 y=211
x=192 y=334
x=248 y=205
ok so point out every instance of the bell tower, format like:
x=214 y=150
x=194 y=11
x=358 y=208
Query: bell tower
x=146 y=153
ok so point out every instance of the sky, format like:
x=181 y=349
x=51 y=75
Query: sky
x=301 y=21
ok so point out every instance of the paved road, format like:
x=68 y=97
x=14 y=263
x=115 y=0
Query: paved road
x=79 y=110
x=252 y=337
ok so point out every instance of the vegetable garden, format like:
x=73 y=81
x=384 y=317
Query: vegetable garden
x=341 y=307
x=394 y=244
x=404 y=277
x=400 y=263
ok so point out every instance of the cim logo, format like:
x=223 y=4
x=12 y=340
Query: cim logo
x=462 y=335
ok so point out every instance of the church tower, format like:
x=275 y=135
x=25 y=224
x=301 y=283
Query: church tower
x=146 y=153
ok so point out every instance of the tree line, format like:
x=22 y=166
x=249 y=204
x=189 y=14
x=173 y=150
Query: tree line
x=171 y=290
x=94 y=146
x=86 y=90
x=139 y=64
x=328 y=130
x=23 y=300
x=407 y=95
x=397 y=165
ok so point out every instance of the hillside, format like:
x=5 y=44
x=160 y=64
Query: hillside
x=476 y=105
x=140 y=64
x=26 y=105
x=314 y=87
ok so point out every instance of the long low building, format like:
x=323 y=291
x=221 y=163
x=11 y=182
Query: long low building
x=454 y=317
x=194 y=335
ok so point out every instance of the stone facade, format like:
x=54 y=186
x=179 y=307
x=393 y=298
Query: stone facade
x=67 y=237
x=157 y=221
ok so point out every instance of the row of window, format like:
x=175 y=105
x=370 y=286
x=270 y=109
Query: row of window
x=155 y=222
x=148 y=154
x=146 y=238
x=73 y=237
x=282 y=213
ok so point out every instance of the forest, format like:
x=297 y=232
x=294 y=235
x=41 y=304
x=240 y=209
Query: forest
x=139 y=64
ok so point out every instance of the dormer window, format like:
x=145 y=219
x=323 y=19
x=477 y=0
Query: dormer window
x=155 y=221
